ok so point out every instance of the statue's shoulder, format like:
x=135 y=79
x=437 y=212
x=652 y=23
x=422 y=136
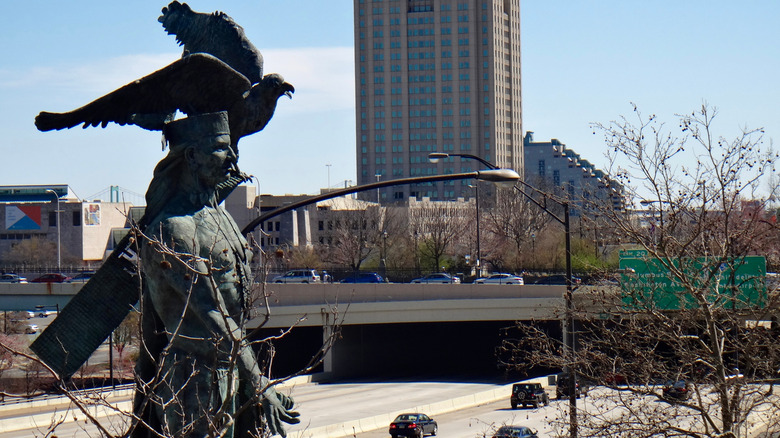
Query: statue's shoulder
x=172 y=226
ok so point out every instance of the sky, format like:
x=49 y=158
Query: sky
x=583 y=61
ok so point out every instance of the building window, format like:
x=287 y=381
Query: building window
x=76 y=218
x=557 y=177
x=541 y=167
x=52 y=219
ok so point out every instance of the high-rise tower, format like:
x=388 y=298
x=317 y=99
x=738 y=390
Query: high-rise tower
x=436 y=76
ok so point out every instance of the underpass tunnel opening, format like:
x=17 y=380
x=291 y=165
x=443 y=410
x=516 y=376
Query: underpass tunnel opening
x=443 y=350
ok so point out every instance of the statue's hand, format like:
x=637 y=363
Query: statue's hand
x=277 y=408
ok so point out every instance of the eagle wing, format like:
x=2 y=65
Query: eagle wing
x=197 y=83
x=216 y=34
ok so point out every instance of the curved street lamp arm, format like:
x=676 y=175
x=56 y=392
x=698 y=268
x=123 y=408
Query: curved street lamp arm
x=487 y=175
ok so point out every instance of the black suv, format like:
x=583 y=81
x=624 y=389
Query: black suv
x=528 y=394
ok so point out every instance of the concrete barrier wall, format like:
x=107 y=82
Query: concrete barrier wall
x=299 y=294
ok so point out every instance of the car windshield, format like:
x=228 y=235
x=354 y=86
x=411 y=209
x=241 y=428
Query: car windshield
x=511 y=430
x=406 y=417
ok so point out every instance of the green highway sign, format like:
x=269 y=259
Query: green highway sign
x=669 y=284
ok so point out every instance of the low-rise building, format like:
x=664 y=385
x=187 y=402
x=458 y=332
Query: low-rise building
x=80 y=228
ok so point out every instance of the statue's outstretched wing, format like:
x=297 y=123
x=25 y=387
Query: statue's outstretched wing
x=216 y=34
x=197 y=83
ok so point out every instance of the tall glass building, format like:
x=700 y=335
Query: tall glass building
x=436 y=76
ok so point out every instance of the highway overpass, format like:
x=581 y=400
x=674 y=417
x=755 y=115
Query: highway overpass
x=393 y=329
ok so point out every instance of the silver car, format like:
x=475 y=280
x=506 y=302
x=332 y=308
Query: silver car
x=12 y=278
x=298 y=276
x=437 y=278
x=500 y=279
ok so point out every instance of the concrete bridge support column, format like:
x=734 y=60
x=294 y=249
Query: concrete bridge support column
x=327 y=333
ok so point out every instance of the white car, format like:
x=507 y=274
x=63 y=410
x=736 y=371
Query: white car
x=298 y=276
x=501 y=279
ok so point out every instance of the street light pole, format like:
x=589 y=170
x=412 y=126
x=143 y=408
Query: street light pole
x=568 y=341
x=378 y=175
x=384 y=254
x=59 y=244
x=434 y=157
x=479 y=255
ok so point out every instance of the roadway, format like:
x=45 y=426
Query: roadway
x=481 y=421
x=331 y=410
x=365 y=410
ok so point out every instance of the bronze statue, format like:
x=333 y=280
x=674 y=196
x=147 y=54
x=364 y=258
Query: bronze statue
x=196 y=266
x=196 y=374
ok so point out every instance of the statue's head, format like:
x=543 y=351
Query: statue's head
x=200 y=157
x=204 y=143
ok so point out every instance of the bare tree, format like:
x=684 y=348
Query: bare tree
x=439 y=225
x=126 y=334
x=353 y=236
x=513 y=224
x=34 y=252
x=695 y=309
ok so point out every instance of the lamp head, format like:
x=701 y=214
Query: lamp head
x=434 y=157
x=504 y=177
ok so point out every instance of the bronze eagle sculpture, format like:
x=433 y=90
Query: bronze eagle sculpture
x=220 y=70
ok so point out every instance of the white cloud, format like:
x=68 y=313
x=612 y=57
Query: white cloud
x=323 y=77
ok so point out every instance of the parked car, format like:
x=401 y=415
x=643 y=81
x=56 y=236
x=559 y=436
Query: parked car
x=515 y=432
x=557 y=279
x=677 y=390
x=526 y=394
x=12 y=278
x=82 y=277
x=437 y=278
x=298 y=276
x=51 y=278
x=365 y=277
x=30 y=329
x=413 y=425
x=562 y=387
x=500 y=279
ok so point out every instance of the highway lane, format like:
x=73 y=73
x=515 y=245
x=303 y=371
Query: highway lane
x=321 y=405
x=481 y=421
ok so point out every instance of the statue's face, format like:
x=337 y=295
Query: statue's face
x=213 y=159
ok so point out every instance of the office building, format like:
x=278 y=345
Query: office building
x=554 y=168
x=436 y=76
